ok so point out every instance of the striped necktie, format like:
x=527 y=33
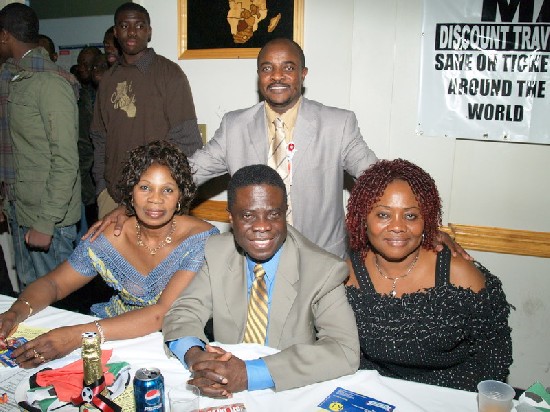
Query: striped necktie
x=256 y=322
x=278 y=160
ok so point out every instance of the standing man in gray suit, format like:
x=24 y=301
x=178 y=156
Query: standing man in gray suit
x=304 y=311
x=321 y=142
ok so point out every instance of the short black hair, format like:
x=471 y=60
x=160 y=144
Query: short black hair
x=285 y=40
x=110 y=31
x=51 y=44
x=129 y=6
x=20 y=21
x=91 y=49
x=251 y=176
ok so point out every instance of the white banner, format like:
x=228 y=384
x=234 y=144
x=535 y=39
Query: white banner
x=485 y=70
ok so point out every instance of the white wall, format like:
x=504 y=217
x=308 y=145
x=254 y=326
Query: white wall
x=6 y=2
x=76 y=31
x=525 y=282
x=365 y=55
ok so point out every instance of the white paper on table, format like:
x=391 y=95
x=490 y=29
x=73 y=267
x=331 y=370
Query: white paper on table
x=9 y=379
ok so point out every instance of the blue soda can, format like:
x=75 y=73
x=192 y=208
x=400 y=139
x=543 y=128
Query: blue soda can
x=149 y=390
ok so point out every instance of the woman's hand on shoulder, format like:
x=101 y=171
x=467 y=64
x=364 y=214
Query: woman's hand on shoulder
x=465 y=274
x=455 y=248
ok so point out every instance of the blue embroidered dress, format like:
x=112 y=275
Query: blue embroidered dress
x=133 y=290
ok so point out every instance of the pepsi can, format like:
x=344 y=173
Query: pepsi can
x=149 y=390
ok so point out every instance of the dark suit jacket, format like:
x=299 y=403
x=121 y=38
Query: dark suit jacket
x=310 y=319
x=328 y=141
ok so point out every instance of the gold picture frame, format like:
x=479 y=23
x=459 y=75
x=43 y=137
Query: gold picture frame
x=201 y=39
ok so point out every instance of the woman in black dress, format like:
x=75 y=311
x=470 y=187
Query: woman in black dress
x=422 y=315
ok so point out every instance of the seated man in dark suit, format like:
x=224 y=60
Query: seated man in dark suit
x=264 y=283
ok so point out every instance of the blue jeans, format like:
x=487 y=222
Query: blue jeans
x=32 y=264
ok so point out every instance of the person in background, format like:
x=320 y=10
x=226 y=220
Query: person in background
x=422 y=315
x=85 y=63
x=141 y=96
x=6 y=287
x=86 y=102
x=38 y=147
x=48 y=44
x=99 y=67
x=111 y=46
x=303 y=310
x=147 y=266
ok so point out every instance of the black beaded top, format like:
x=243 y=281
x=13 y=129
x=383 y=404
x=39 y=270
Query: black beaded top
x=445 y=335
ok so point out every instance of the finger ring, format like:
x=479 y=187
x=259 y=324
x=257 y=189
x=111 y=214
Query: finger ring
x=39 y=356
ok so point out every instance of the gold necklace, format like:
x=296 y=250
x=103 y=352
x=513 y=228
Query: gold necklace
x=167 y=239
x=395 y=278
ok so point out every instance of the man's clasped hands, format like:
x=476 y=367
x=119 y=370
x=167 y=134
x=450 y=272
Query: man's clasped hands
x=216 y=372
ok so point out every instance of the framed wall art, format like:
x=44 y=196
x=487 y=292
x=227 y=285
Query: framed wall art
x=235 y=29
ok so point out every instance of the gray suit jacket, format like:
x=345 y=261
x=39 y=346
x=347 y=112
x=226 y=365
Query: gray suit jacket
x=310 y=319
x=328 y=141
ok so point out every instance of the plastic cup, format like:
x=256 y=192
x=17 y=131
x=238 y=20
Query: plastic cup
x=184 y=399
x=495 y=396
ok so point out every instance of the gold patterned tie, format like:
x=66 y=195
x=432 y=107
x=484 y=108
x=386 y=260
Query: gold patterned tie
x=278 y=160
x=256 y=322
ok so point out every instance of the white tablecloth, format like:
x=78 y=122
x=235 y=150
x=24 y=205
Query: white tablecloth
x=148 y=352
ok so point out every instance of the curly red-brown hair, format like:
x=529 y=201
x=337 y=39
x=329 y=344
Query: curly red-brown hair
x=370 y=187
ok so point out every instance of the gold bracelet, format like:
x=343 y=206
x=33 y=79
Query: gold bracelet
x=28 y=304
x=100 y=330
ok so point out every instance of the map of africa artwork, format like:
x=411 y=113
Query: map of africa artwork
x=236 y=28
x=243 y=18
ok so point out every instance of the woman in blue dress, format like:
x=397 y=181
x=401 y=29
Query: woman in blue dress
x=148 y=264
